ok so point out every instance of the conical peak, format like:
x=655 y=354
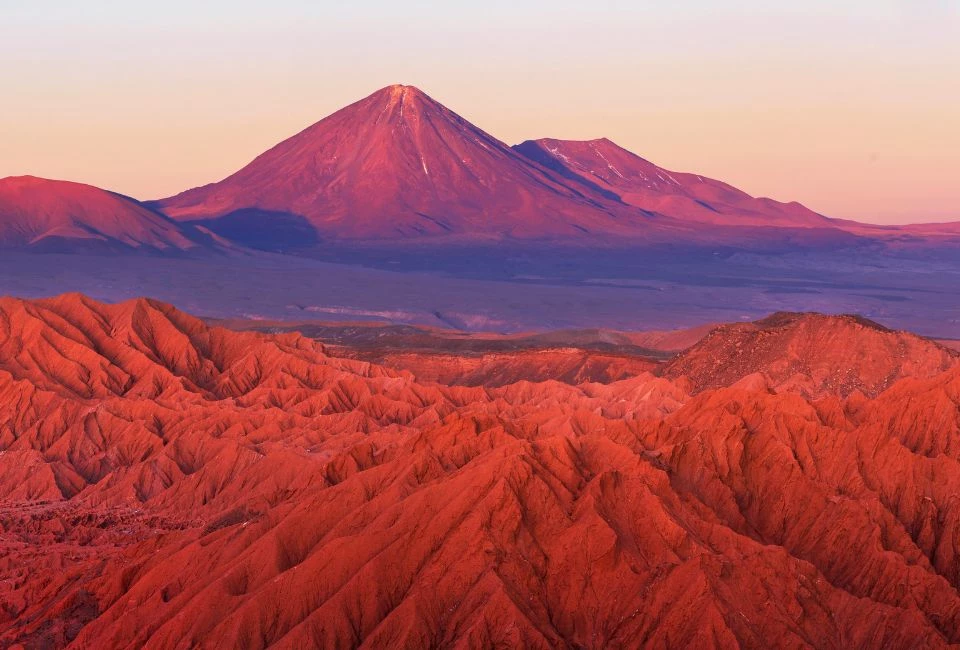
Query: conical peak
x=402 y=88
x=401 y=93
x=398 y=101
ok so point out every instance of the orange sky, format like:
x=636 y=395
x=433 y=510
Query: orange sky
x=853 y=110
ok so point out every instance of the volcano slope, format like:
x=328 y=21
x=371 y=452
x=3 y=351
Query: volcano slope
x=604 y=165
x=167 y=484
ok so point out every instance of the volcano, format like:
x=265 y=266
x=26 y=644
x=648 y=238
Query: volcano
x=41 y=214
x=399 y=165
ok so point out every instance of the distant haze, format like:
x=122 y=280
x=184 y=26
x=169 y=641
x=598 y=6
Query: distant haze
x=852 y=108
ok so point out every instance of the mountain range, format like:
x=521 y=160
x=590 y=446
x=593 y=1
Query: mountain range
x=399 y=167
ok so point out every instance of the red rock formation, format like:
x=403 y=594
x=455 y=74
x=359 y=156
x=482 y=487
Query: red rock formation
x=168 y=484
x=59 y=215
x=810 y=353
x=569 y=365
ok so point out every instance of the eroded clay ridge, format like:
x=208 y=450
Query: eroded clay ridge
x=811 y=354
x=168 y=484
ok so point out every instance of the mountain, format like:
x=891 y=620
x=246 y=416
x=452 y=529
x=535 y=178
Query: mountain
x=397 y=165
x=601 y=164
x=810 y=353
x=41 y=214
x=165 y=483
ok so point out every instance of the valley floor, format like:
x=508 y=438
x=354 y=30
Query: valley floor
x=499 y=289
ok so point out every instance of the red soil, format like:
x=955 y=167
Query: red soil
x=164 y=483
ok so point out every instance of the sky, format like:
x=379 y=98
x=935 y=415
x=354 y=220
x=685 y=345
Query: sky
x=851 y=107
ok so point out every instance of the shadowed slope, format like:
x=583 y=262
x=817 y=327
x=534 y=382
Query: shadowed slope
x=166 y=484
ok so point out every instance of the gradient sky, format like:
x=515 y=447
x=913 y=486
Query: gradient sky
x=849 y=106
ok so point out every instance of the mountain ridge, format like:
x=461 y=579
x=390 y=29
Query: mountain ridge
x=682 y=195
x=812 y=354
x=42 y=214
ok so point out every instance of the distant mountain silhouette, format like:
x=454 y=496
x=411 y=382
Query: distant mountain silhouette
x=398 y=165
x=41 y=214
x=602 y=165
